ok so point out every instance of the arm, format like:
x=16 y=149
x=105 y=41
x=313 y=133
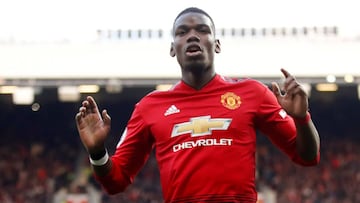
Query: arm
x=114 y=173
x=307 y=139
x=295 y=102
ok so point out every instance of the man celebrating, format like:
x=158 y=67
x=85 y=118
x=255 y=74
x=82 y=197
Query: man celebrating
x=203 y=130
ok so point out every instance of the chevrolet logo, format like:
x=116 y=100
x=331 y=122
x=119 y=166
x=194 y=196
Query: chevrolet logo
x=200 y=126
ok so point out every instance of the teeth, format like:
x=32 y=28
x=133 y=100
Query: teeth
x=193 y=49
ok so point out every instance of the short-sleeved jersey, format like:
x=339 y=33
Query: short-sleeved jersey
x=204 y=140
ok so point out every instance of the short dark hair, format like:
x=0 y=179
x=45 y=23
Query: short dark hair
x=194 y=10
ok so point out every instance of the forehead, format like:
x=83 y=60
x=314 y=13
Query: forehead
x=192 y=19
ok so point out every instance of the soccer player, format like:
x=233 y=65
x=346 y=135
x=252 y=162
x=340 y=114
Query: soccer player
x=203 y=129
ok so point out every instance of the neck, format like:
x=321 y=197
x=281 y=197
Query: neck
x=197 y=80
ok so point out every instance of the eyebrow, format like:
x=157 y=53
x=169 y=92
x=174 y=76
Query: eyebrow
x=184 y=26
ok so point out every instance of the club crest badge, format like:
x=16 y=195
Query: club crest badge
x=230 y=100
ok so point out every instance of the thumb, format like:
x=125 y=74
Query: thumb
x=106 y=118
x=276 y=90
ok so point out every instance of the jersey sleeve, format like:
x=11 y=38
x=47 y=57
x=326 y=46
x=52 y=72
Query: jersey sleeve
x=279 y=127
x=131 y=153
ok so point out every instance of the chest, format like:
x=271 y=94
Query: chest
x=216 y=114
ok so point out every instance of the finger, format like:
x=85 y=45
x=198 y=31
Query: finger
x=106 y=117
x=86 y=108
x=291 y=86
x=91 y=100
x=287 y=83
x=289 y=80
x=92 y=104
x=285 y=73
x=275 y=89
x=85 y=103
x=82 y=111
x=299 y=90
x=78 y=117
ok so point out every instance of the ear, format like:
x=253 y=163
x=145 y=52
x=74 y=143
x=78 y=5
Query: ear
x=217 y=46
x=172 y=50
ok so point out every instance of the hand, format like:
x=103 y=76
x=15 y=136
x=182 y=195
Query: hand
x=92 y=127
x=294 y=99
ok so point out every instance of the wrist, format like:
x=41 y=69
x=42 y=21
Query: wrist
x=303 y=121
x=97 y=154
x=99 y=159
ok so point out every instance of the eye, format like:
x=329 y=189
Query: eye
x=204 y=29
x=180 y=32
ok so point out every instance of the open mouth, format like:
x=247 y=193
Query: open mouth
x=193 y=50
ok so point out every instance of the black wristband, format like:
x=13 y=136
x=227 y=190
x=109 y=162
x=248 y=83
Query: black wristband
x=98 y=155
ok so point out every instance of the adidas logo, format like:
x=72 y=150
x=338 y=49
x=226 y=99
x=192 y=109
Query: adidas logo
x=282 y=113
x=171 y=110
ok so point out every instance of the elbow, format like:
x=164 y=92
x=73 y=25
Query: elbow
x=308 y=161
x=114 y=190
x=309 y=154
x=115 y=181
x=114 y=187
x=310 y=157
x=316 y=160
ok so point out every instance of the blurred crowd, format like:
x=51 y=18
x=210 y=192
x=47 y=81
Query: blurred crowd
x=57 y=171
x=335 y=180
x=43 y=161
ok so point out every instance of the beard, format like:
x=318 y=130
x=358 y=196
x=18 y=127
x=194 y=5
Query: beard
x=196 y=67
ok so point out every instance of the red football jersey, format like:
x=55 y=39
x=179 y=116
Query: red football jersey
x=205 y=140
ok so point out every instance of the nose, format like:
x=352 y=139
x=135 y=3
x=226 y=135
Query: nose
x=193 y=36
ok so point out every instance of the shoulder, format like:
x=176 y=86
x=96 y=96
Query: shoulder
x=155 y=97
x=246 y=81
x=149 y=96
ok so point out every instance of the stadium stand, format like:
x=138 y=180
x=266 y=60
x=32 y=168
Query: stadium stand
x=42 y=159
